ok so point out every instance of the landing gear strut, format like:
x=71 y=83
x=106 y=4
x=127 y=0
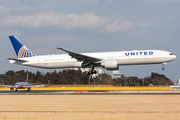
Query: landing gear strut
x=163 y=68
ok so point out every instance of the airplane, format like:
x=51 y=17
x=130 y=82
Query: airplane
x=21 y=85
x=107 y=60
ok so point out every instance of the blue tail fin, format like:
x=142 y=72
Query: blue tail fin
x=21 y=50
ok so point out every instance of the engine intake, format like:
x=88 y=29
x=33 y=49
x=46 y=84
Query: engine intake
x=12 y=88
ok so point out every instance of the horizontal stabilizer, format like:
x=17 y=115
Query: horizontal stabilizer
x=17 y=60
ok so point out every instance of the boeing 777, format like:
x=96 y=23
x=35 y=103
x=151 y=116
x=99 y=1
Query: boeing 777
x=107 y=60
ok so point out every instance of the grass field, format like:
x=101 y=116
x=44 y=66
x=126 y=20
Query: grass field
x=89 y=107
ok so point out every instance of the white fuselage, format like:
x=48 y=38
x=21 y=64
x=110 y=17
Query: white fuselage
x=134 y=57
x=21 y=85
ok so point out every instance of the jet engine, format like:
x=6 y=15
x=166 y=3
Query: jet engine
x=110 y=64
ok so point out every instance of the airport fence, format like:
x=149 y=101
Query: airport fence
x=89 y=115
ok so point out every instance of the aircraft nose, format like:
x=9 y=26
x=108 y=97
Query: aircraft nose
x=174 y=57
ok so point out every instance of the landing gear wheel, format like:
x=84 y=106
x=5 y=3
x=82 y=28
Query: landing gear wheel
x=28 y=89
x=163 y=68
x=95 y=72
x=90 y=72
x=87 y=73
x=16 y=90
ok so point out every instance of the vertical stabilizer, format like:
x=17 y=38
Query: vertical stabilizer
x=21 y=50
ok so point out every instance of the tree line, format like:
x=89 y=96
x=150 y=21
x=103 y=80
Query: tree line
x=70 y=76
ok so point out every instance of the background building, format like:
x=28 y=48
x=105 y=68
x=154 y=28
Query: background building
x=178 y=83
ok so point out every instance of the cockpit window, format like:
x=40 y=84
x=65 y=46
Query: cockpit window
x=171 y=54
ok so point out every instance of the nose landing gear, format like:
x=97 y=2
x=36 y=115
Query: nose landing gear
x=163 y=68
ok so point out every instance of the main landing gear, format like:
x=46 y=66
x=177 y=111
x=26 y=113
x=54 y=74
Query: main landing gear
x=16 y=90
x=163 y=67
x=91 y=71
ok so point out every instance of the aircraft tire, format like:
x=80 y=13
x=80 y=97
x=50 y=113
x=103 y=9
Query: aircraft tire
x=163 y=68
x=29 y=89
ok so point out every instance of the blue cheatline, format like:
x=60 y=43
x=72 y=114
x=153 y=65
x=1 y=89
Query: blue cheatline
x=21 y=50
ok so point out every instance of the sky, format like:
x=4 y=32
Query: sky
x=92 y=26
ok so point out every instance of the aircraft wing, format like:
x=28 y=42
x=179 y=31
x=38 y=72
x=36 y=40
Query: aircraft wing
x=81 y=57
x=17 y=60
x=38 y=86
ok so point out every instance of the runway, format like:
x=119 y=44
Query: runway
x=87 y=93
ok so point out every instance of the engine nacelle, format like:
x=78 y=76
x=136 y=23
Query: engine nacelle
x=110 y=64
